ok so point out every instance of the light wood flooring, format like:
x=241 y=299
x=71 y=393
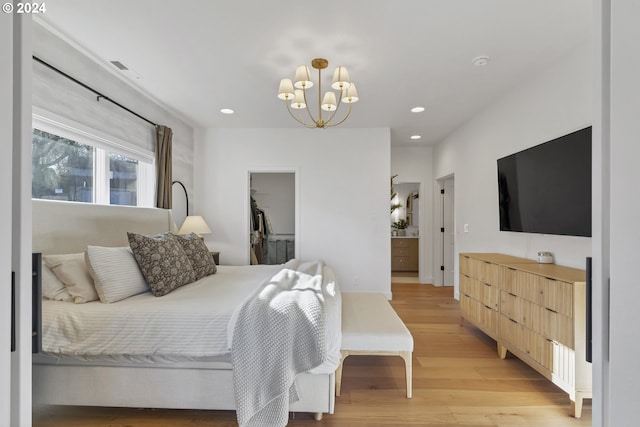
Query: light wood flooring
x=458 y=380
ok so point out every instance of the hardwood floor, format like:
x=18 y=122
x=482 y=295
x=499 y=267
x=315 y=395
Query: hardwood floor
x=458 y=380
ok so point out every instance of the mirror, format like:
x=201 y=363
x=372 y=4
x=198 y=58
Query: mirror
x=407 y=196
x=272 y=219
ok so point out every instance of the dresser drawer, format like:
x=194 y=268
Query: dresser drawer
x=399 y=243
x=400 y=263
x=401 y=251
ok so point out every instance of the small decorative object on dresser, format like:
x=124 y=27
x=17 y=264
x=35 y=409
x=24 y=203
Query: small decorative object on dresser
x=400 y=225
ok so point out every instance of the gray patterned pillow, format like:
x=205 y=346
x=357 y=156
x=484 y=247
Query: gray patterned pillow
x=198 y=254
x=162 y=261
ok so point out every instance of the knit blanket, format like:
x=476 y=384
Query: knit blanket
x=279 y=332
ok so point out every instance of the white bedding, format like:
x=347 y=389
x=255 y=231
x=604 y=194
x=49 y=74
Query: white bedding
x=190 y=322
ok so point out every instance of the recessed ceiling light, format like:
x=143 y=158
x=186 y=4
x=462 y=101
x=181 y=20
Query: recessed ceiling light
x=416 y=137
x=227 y=111
x=480 y=61
x=417 y=109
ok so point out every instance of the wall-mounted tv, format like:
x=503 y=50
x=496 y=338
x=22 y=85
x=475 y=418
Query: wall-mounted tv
x=547 y=188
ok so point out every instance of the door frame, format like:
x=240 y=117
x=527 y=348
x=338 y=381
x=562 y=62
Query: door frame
x=15 y=104
x=438 y=253
x=258 y=169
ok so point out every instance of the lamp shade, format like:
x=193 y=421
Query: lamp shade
x=340 y=79
x=303 y=78
x=286 y=89
x=298 y=102
x=194 y=224
x=350 y=95
x=329 y=102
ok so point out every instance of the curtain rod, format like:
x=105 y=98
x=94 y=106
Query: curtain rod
x=99 y=95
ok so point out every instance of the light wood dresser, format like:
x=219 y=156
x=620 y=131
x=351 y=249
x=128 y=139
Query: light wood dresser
x=535 y=311
x=404 y=254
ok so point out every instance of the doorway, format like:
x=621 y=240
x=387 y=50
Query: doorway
x=446 y=255
x=405 y=242
x=272 y=219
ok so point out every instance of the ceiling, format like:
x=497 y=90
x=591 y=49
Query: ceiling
x=198 y=56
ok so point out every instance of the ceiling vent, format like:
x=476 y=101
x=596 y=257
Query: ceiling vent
x=119 y=65
x=126 y=70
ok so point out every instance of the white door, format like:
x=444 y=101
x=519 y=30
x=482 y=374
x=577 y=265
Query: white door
x=449 y=232
x=15 y=219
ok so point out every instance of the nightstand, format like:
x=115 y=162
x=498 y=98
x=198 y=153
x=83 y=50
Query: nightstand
x=216 y=257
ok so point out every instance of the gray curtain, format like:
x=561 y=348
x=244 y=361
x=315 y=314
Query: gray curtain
x=163 y=166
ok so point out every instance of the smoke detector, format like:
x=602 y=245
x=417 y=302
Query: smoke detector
x=480 y=61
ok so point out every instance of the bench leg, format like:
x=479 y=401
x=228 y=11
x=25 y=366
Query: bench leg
x=407 y=356
x=343 y=354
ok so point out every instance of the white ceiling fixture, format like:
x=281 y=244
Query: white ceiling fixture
x=227 y=111
x=296 y=92
x=417 y=109
x=416 y=137
x=480 y=61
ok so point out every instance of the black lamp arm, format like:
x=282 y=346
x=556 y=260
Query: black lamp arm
x=185 y=193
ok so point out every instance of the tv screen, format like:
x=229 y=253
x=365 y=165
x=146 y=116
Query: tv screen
x=547 y=188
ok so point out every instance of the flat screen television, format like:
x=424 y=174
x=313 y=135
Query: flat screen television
x=547 y=188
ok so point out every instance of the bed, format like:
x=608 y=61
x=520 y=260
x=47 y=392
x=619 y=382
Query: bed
x=209 y=354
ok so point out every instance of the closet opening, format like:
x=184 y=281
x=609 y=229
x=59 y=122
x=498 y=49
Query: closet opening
x=272 y=217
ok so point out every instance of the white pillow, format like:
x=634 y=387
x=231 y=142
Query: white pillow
x=73 y=272
x=115 y=273
x=52 y=287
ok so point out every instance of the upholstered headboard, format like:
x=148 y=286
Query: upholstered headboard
x=68 y=227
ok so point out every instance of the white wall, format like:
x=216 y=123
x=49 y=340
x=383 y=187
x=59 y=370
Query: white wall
x=61 y=96
x=415 y=164
x=343 y=195
x=557 y=102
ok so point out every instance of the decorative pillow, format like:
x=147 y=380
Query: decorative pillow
x=115 y=273
x=162 y=261
x=199 y=255
x=73 y=272
x=52 y=287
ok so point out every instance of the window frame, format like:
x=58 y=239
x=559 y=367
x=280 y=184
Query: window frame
x=102 y=144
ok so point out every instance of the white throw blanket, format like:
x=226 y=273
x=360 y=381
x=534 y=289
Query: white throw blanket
x=279 y=332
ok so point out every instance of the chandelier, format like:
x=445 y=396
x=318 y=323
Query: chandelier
x=296 y=92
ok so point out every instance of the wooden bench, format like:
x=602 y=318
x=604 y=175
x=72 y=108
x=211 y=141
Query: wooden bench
x=370 y=326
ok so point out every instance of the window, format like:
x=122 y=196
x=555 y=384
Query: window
x=72 y=164
x=62 y=169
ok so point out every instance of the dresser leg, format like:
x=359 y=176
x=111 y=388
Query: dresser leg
x=502 y=350
x=576 y=406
